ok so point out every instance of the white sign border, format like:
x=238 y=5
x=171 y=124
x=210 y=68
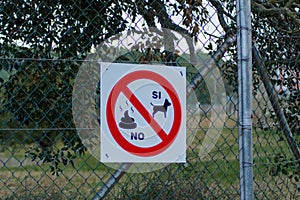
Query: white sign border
x=110 y=150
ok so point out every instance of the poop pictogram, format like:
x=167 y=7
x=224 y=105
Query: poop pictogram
x=127 y=122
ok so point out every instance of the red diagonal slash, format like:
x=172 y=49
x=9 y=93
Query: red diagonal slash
x=144 y=112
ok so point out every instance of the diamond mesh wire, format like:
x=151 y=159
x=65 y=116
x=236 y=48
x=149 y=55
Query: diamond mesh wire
x=43 y=46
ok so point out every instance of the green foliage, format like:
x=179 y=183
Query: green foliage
x=38 y=94
x=277 y=38
x=286 y=166
x=44 y=42
x=67 y=28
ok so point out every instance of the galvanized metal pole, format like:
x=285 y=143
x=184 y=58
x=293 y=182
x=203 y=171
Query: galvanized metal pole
x=210 y=65
x=244 y=50
x=114 y=178
x=276 y=105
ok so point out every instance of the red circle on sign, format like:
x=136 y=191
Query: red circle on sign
x=122 y=86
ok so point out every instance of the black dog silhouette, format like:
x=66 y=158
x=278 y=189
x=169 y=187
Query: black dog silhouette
x=161 y=108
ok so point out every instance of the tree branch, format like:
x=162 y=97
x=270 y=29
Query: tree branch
x=263 y=11
x=289 y=3
x=166 y=22
x=221 y=13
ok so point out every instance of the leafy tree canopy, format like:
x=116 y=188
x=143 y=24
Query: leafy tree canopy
x=40 y=90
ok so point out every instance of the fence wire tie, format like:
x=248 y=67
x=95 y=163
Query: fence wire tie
x=247 y=164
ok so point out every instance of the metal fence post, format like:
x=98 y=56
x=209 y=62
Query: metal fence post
x=276 y=105
x=244 y=44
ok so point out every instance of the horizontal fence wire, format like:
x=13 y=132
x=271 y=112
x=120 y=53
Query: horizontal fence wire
x=50 y=90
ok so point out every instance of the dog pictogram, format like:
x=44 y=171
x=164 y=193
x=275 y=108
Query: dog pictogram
x=161 y=108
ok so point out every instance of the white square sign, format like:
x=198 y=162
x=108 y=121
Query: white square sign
x=143 y=113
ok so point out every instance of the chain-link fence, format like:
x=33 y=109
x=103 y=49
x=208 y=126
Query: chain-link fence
x=51 y=52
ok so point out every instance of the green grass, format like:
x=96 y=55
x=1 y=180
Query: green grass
x=215 y=176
